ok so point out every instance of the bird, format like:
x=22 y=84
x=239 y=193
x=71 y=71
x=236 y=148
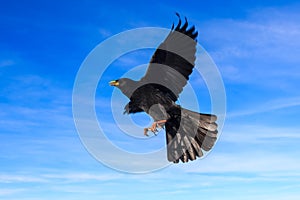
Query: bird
x=188 y=133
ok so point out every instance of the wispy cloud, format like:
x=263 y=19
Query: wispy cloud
x=31 y=99
x=262 y=46
x=12 y=178
x=259 y=134
x=6 y=191
x=266 y=107
x=105 y=32
x=249 y=162
x=82 y=177
x=71 y=177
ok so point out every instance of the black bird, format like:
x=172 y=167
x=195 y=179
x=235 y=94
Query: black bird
x=188 y=133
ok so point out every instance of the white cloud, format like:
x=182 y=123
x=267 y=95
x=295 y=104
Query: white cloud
x=54 y=177
x=5 y=192
x=82 y=177
x=262 y=46
x=267 y=107
x=258 y=134
x=12 y=178
x=249 y=162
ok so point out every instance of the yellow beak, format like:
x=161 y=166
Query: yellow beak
x=113 y=83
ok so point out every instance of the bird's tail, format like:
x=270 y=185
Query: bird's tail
x=188 y=133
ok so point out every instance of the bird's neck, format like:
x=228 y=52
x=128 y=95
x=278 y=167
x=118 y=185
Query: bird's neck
x=129 y=89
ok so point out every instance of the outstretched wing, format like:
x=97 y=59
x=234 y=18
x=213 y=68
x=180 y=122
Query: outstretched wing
x=174 y=59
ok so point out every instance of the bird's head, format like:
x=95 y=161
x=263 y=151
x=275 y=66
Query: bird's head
x=126 y=85
x=114 y=83
x=122 y=83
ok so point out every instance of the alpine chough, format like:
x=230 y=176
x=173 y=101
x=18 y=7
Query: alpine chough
x=188 y=133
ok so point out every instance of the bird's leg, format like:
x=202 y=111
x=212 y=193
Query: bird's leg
x=161 y=123
x=155 y=125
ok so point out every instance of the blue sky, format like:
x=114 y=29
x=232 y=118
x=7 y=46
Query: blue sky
x=255 y=45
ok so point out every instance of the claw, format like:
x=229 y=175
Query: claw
x=146 y=132
x=153 y=128
x=159 y=125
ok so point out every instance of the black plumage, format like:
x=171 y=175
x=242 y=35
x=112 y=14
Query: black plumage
x=188 y=133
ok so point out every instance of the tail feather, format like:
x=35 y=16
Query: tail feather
x=188 y=133
x=189 y=148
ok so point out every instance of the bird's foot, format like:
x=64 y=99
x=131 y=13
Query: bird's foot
x=155 y=125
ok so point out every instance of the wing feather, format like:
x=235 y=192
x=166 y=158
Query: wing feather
x=174 y=59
